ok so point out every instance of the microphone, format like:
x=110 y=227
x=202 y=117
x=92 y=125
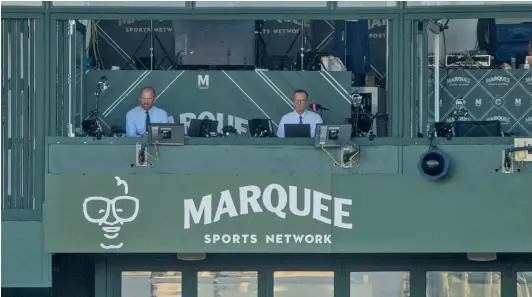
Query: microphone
x=316 y=107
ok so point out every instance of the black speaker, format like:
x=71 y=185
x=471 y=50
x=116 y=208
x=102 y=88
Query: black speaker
x=433 y=165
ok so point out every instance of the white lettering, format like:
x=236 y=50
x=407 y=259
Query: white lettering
x=225 y=206
x=517 y=101
x=230 y=238
x=339 y=213
x=504 y=120
x=497 y=80
x=203 y=81
x=253 y=201
x=246 y=199
x=478 y=102
x=294 y=199
x=147 y=30
x=281 y=203
x=318 y=207
x=204 y=211
x=206 y=115
x=298 y=238
x=459 y=80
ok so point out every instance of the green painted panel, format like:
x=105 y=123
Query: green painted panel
x=25 y=264
x=163 y=219
x=376 y=213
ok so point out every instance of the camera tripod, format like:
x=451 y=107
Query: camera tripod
x=305 y=36
x=153 y=63
x=95 y=125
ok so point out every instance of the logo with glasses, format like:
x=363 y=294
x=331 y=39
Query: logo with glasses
x=111 y=214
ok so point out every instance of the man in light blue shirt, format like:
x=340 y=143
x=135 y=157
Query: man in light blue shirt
x=138 y=119
x=300 y=115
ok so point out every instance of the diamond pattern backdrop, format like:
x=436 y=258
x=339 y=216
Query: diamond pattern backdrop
x=490 y=94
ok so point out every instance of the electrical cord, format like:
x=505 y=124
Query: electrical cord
x=351 y=159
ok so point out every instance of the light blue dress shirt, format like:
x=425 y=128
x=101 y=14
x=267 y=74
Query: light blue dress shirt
x=308 y=117
x=136 y=120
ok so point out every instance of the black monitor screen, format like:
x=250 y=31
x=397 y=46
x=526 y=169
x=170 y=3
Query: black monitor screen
x=202 y=128
x=260 y=127
x=297 y=130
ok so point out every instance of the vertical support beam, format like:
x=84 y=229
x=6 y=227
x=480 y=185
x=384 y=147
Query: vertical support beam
x=6 y=148
x=418 y=282
x=395 y=87
x=40 y=59
x=424 y=80
x=437 y=61
x=509 y=281
x=15 y=117
x=52 y=81
x=407 y=67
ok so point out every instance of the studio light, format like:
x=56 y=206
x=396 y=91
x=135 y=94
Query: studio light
x=433 y=164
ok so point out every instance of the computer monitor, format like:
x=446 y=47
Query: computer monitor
x=166 y=134
x=332 y=135
x=203 y=128
x=297 y=130
x=260 y=127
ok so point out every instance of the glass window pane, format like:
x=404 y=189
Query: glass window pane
x=303 y=283
x=227 y=283
x=121 y=3
x=367 y=3
x=261 y=3
x=22 y=3
x=381 y=284
x=458 y=284
x=524 y=284
x=151 y=283
x=446 y=3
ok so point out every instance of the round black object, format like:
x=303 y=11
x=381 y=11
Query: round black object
x=433 y=164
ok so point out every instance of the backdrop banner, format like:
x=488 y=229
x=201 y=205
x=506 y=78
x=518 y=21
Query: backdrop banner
x=230 y=97
x=279 y=213
x=490 y=95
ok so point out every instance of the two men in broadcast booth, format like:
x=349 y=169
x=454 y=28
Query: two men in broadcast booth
x=138 y=118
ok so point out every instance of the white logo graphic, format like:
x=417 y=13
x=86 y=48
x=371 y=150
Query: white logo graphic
x=111 y=213
x=203 y=81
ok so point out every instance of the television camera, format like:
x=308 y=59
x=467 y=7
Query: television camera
x=361 y=119
x=459 y=113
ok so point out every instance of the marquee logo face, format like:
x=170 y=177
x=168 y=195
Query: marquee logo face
x=111 y=214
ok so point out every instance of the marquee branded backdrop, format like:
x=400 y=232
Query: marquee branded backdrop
x=231 y=97
x=225 y=42
x=490 y=94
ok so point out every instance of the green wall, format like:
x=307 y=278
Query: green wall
x=475 y=156
x=391 y=202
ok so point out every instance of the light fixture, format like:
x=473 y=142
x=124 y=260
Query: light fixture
x=482 y=257
x=433 y=164
x=191 y=256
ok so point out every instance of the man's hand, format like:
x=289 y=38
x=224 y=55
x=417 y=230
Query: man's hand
x=145 y=134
